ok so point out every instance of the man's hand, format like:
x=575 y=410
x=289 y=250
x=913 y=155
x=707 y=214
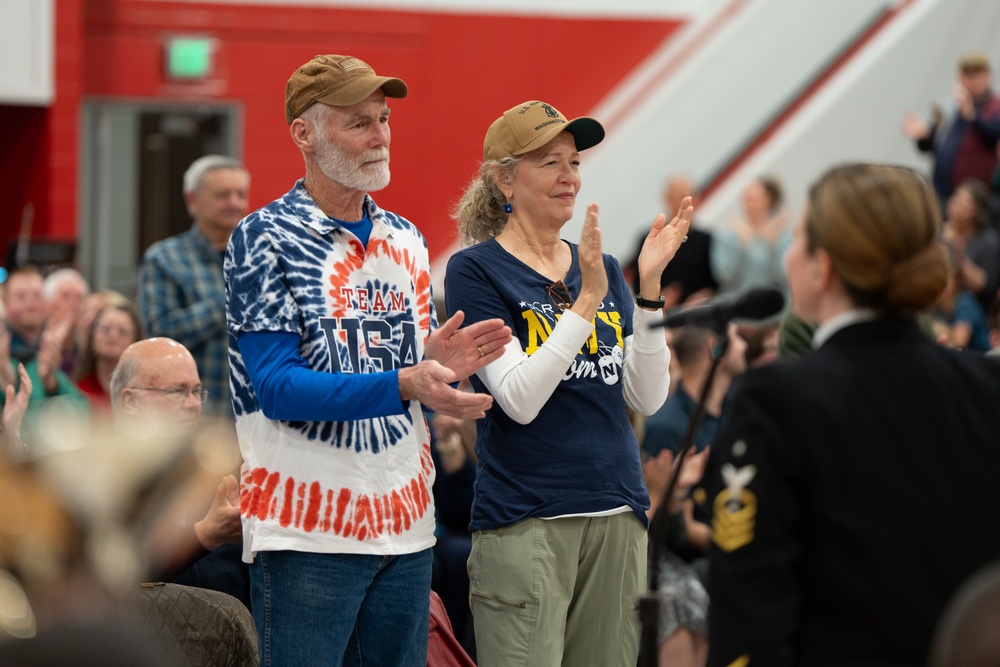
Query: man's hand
x=914 y=126
x=465 y=351
x=430 y=383
x=222 y=523
x=966 y=105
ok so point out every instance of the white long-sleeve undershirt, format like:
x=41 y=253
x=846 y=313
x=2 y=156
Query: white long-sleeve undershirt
x=521 y=384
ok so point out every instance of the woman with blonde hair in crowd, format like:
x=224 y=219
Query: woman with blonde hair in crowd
x=837 y=472
x=558 y=558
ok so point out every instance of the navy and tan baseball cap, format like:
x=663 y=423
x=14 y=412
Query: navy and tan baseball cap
x=533 y=124
x=340 y=81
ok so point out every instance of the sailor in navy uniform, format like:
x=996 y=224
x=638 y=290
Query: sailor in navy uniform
x=852 y=488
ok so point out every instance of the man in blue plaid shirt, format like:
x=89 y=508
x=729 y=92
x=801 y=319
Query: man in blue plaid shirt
x=182 y=294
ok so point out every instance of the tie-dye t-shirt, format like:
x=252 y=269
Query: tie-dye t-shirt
x=360 y=486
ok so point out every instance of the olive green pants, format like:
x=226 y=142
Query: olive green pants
x=558 y=592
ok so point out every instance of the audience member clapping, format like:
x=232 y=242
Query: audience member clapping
x=65 y=290
x=975 y=244
x=36 y=344
x=958 y=319
x=747 y=252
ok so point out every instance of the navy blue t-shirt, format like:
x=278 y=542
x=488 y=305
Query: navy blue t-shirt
x=580 y=454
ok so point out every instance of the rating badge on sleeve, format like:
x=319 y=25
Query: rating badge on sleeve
x=735 y=509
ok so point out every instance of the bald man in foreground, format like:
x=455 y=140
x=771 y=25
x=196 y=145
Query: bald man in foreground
x=156 y=392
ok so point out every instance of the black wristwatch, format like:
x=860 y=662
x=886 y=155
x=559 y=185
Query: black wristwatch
x=648 y=303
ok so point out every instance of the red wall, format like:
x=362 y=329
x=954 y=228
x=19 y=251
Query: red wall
x=38 y=162
x=462 y=71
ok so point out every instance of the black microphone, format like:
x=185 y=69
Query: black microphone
x=754 y=304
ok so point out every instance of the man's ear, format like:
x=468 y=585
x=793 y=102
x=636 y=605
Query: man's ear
x=189 y=199
x=302 y=135
x=129 y=401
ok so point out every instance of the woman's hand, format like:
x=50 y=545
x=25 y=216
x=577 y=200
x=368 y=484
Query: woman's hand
x=6 y=370
x=50 y=354
x=15 y=405
x=594 y=285
x=660 y=246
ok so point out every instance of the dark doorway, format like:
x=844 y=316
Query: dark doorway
x=169 y=142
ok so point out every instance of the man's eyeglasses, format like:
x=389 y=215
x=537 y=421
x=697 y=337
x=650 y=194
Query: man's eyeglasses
x=178 y=393
x=559 y=294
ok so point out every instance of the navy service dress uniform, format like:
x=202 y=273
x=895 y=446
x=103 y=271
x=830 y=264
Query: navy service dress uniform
x=853 y=491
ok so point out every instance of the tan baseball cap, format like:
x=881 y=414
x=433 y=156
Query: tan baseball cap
x=533 y=124
x=339 y=81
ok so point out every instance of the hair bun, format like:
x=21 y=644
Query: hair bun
x=917 y=282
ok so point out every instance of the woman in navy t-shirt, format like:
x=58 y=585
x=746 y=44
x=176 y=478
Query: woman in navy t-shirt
x=559 y=527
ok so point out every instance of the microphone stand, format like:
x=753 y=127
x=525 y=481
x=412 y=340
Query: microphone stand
x=664 y=520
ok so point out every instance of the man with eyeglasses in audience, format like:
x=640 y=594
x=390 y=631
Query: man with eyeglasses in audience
x=156 y=392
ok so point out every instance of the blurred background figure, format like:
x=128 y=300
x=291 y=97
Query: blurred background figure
x=157 y=393
x=29 y=339
x=963 y=141
x=695 y=348
x=682 y=634
x=70 y=522
x=181 y=292
x=974 y=242
x=65 y=290
x=93 y=303
x=112 y=330
x=453 y=441
x=958 y=319
x=684 y=601
x=762 y=343
x=747 y=251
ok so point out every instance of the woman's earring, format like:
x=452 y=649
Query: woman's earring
x=507 y=208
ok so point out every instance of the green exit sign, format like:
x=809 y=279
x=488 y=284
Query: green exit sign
x=189 y=58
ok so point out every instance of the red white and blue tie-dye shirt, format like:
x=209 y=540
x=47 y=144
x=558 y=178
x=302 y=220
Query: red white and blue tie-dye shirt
x=351 y=471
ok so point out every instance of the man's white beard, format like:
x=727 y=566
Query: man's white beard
x=342 y=167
